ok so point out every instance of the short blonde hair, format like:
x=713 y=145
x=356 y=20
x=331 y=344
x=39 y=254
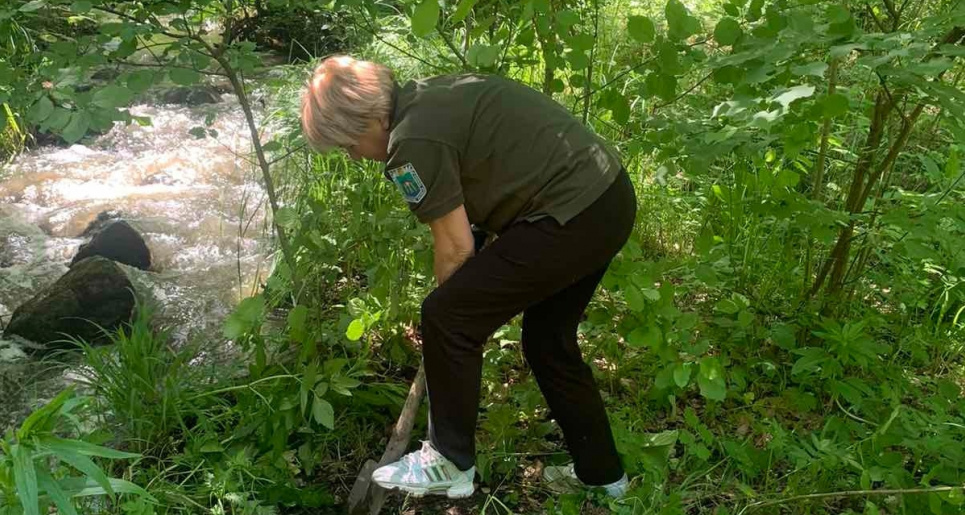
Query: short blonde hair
x=343 y=95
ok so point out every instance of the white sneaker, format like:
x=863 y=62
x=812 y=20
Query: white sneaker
x=562 y=479
x=426 y=471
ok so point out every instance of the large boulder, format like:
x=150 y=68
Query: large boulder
x=94 y=294
x=118 y=241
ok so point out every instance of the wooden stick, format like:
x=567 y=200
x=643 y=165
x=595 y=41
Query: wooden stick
x=367 y=496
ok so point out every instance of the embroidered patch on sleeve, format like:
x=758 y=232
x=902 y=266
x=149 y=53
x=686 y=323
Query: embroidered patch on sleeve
x=408 y=181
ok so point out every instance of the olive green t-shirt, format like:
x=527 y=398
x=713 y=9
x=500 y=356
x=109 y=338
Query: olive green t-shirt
x=504 y=150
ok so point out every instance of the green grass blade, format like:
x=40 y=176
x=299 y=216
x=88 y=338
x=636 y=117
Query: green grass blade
x=25 y=477
x=53 y=490
x=84 y=487
x=85 y=448
x=37 y=419
x=84 y=465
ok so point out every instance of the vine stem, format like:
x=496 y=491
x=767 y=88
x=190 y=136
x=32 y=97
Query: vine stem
x=850 y=493
x=242 y=386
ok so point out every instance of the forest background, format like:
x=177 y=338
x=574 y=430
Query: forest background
x=783 y=333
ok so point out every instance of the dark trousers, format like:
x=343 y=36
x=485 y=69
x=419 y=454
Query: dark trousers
x=548 y=272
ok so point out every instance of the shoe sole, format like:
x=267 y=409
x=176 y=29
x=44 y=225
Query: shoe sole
x=452 y=492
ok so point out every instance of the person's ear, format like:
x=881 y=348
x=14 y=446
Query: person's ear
x=384 y=121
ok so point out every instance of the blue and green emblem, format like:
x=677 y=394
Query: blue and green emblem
x=408 y=181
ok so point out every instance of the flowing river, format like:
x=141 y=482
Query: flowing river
x=197 y=202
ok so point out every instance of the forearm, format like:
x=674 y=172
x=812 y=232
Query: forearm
x=446 y=263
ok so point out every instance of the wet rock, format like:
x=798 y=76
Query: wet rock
x=94 y=294
x=20 y=243
x=106 y=74
x=118 y=241
x=103 y=219
x=191 y=95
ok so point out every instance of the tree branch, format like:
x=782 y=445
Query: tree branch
x=455 y=51
x=378 y=36
x=630 y=70
x=871 y=12
x=893 y=13
x=164 y=65
x=685 y=93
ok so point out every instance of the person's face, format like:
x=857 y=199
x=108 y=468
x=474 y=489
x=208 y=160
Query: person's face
x=373 y=144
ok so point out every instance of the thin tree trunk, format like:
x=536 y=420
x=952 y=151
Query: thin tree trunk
x=818 y=184
x=875 y=133
x=589 y=67
x=239 y=89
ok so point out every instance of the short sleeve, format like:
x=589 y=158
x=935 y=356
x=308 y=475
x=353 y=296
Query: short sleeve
x=426 y=174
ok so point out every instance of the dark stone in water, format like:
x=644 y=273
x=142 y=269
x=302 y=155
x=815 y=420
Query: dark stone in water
x=95 y=293
x=106 y=74
x=118 y=241
x=191 y=96
x=103 y=219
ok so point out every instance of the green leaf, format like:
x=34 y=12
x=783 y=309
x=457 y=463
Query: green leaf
x=463 y=10
x=343 y=385
x=355 y=330
x=323 y=412
x=32 y=6
x=681 y=374
x=651 y=294
x=212 y=446
x=791 y=94
x=271 y=146
x=728 y=74
x=40 y=110
x=953 y=165
x=727 y=32
x=58 y=119
x=834 y=105
x=649 y=336
x=138 y=81
x=661 y=85
x=680 y=24
x=838 y=13
x=25 y=477
x=286 y=217
x=578 y=60
x=566 y=19
x=198 y=132
x=308 y=383
x=815 y=69
x=81 y=6
x=85 y=487
x=669 y=59
x=811 y=359
x=112 y=96
x=641 y=29
x=184 y=76
x=482 y=56
x=711 y=379
x=787 y=179
x=245 y=317
x=83 y=464
x=296 y=323
x=85 y=448
x=77 y=127
x=57 y=494
x=425 y=17
x=634 y=298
